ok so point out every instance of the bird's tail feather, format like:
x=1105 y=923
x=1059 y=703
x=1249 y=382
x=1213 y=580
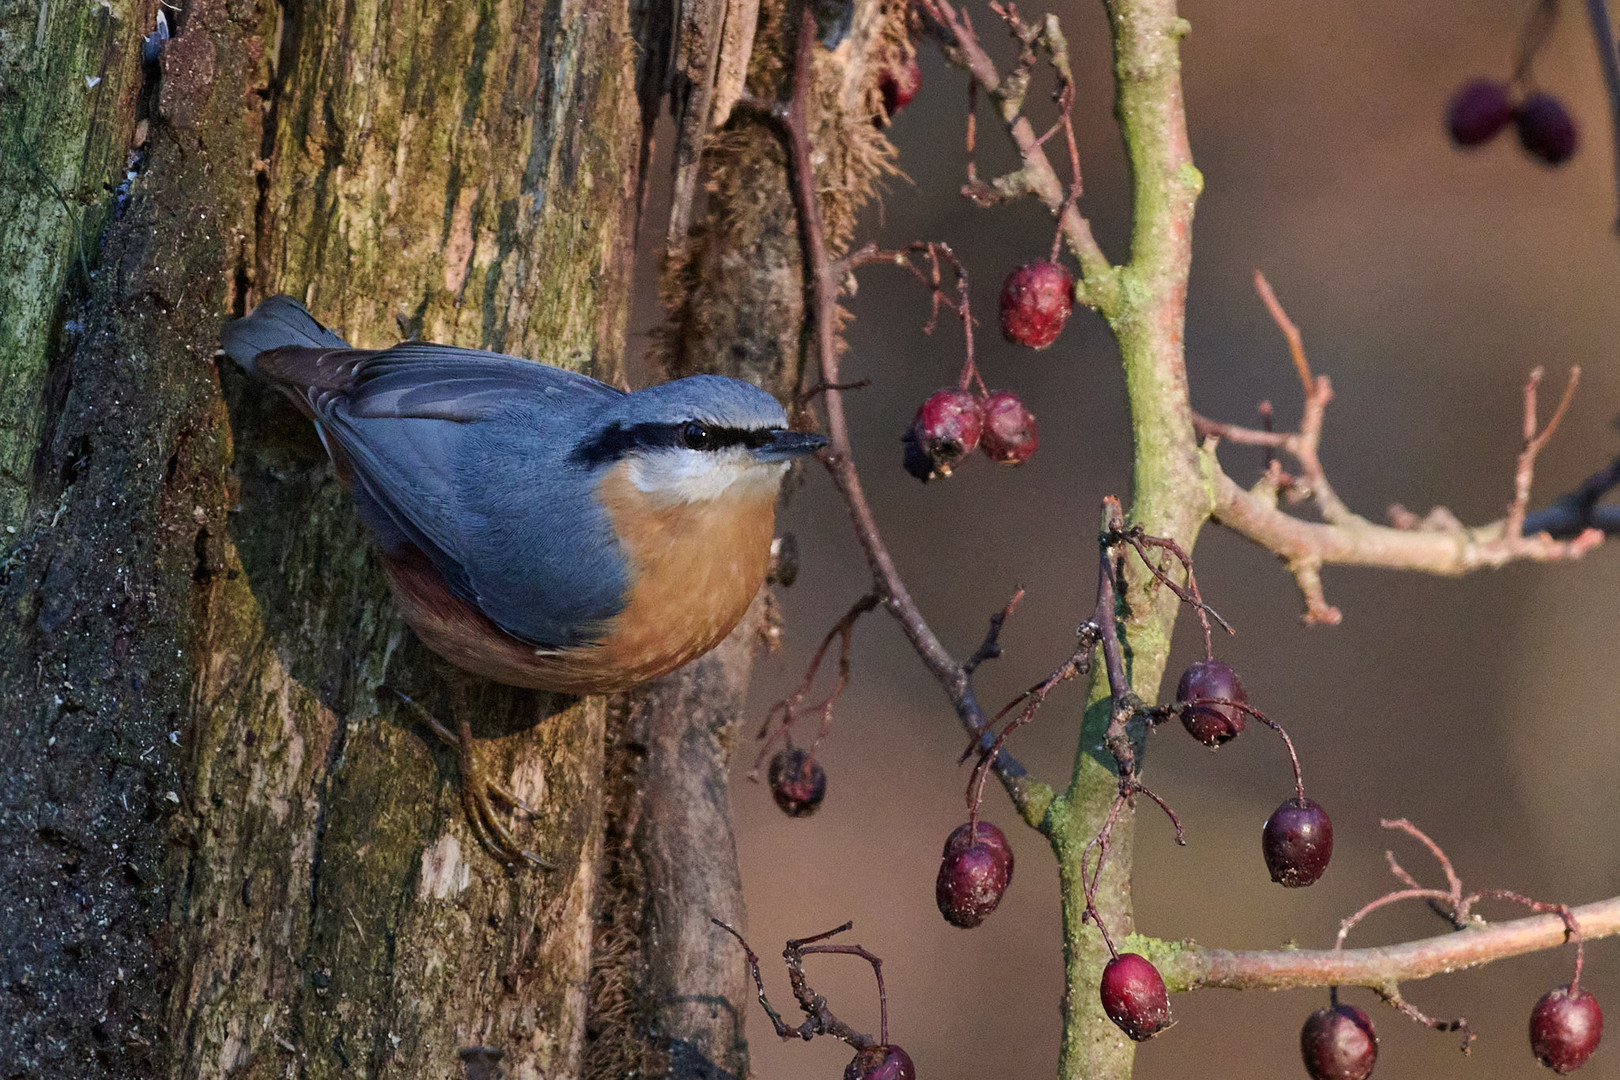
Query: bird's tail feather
x=277 y=322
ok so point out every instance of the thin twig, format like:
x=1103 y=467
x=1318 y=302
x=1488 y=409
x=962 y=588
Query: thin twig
x=1099 y=287
x=823 y=278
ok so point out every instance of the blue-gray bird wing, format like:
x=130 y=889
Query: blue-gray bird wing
x=467 y=456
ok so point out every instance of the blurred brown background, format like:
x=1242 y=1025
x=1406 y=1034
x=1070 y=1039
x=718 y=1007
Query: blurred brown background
x=1427 y=282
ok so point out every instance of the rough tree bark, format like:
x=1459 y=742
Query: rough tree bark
x=222 y=850
x=224 y=853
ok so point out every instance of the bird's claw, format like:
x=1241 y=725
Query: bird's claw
x=493 y=835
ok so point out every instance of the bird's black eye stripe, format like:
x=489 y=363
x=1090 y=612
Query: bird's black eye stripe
x=617 y=440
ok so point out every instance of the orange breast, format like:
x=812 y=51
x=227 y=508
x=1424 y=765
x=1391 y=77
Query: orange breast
x=697 y=568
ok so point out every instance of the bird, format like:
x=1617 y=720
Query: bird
x=538 y=527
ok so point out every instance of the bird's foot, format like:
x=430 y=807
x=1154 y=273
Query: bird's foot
x=479 y=794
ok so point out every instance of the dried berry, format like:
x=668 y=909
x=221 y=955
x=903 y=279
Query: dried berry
x=1339 y=1044
x=1546 y=129
x=973 y=873
x=1035 y=303
x=1297 y=842
x=899 y=82
x=1478 y=112
x=881 y=1063
x=1211 y=725
x=944 y=431
x=798 y=782
x=1009 y=429
x=1134 y=997
x=1565 y=1027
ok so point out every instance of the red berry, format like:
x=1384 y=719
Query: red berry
x=798 y=782
x=1478 y=112
x=1546 y=130
x=1297 y=842
x=1339 y=1044
x=1035 y=303
x=1211 y=725
x=881 y=1063
x=1134 y=997
x=899 y=82
x=1565 y=1027
x=973 y=874
x=1009 y=429
x=944 y=431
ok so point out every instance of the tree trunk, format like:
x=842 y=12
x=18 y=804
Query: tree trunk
x=225 y=849
x=224 y=853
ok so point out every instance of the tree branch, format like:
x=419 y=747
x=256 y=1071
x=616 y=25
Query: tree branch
x=823 y=280
x=1438 y=544
x=1193 y=967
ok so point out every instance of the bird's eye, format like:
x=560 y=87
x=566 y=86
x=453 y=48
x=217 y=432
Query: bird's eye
x=696 y=436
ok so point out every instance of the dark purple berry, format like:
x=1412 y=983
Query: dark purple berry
x=1211 y=725
x=1478 y=112
x=1035 y=303
x=798 y=782
x=1009 y=436
x=1339 y=1043
x=1297 y=842
x=1134 y=997
x=973 y=874
x=944 y=431
x=881 y=1063
x=899 y=82
x=1546 y=130
x=1565 y=1027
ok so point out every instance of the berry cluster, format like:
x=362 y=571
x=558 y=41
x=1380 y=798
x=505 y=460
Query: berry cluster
x=954 y=422
x=1481 y=109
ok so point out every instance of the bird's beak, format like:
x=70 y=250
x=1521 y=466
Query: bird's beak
x=786 y=445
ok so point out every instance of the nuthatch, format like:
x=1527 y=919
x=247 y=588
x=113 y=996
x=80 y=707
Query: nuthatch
x=540 y=528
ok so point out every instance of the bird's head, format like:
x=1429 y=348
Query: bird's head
x=696 y=439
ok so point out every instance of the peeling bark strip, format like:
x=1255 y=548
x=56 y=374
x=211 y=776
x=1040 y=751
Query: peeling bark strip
x=219 y=853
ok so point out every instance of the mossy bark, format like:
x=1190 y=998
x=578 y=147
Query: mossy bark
x=221 y=851
x=69 y=85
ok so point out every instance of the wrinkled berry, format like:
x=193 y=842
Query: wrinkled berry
x=1297 y=842
x=899 y=82
x=1035 y=303
x=1134 y=997
x=1009 y=435
x=881 y=1063
x=1565 y=1027
x=1211 y=725
x=1478 y=112
x=798 y=782
x=973 y=875
x=944 y=431
x=1546 y=129
x=1339 y=1043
